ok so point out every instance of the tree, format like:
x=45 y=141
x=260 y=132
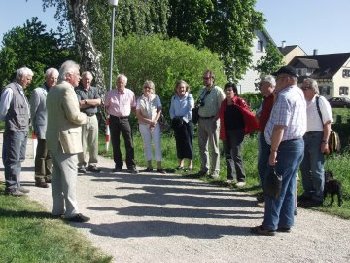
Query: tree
x=271 y=62
x=32 y=46
x=89 y=22
x=226 y=27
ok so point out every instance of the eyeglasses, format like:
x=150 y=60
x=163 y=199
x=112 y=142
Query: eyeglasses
x=305 y=88
x=207 y=78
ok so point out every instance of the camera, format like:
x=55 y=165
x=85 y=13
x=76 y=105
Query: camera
x=200 y=103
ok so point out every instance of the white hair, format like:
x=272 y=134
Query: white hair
x=269 y=79
x=24 y=71
x=68 y=67
x=51 y=72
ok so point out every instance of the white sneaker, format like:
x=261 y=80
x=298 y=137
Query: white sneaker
x=240 y=184
x=229 y=181
x=215 y=175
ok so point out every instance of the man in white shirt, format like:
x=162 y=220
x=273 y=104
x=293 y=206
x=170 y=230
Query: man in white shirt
x=319 y=119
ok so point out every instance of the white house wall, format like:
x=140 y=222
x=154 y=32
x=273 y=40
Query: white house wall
x=247 y=83
x=340 y=81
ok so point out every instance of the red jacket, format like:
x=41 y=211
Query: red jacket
x=250 y=122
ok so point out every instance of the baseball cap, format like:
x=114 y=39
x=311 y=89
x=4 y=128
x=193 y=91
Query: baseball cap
x=286 y=70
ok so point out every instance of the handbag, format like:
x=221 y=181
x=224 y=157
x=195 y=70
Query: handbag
x=273 y=183
x=177 y=123
x=333 y=141
x=195 y=115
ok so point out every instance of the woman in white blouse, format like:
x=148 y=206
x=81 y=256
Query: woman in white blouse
x=148 y=110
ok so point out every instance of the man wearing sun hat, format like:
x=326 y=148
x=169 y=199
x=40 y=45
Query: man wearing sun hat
x=284 y=133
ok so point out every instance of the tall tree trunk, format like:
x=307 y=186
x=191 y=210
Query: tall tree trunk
x=91 y=58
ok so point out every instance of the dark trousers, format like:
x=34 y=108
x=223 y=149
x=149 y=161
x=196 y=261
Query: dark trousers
x=234 y=161
x=183 y=138
x=122 y=126
x=14 y=144
x=43 y=162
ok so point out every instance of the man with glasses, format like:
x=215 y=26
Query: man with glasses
x=64 y=141
x=283 y=132
x=210 y=98
x=316 y=144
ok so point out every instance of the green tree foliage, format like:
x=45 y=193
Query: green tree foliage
x=136 y=17
x=31 y=46
x=164 y=62
x=271 y=62
x=226 y=27
x=132 y=17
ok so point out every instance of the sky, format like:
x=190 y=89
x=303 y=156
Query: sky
x=310 y=24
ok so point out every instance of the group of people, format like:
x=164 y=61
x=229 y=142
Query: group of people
x=294 y=125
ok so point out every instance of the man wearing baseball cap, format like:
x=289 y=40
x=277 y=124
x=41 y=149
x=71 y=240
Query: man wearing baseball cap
x=283 y=132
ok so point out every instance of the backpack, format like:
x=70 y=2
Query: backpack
x=333 y=141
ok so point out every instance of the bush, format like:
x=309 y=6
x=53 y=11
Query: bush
x=164 y=61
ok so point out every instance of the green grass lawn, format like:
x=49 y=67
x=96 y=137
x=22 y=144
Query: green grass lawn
x=29 y=234
x=338 y=163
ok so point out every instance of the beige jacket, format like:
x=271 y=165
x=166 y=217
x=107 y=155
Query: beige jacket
x=64 y=120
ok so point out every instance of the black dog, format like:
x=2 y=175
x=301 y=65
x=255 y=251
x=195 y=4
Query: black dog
x=332 y=187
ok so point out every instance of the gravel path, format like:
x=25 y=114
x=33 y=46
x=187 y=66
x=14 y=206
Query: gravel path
x=169 y=218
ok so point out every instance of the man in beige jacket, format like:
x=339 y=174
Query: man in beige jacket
x=64 y=141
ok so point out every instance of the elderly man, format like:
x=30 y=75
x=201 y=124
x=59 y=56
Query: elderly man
x=38 y=112
x=283 y=132
x=89 y=100
x=119 y=103
x=210 y=98
x=64 y=141
x=319 y=119
x=14 y=110
x=266 y=87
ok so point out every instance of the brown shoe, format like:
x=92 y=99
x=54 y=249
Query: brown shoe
x=42 y=184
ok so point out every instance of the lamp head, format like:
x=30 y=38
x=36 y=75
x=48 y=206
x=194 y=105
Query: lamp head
x=113 y=2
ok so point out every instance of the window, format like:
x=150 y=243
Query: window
x=344 y=91
x=260 y=46
x=346 y=73
x=325 y=90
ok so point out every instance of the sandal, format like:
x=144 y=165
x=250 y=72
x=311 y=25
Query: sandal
x=260 y=230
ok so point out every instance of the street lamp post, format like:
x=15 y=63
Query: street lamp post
x=114 y=3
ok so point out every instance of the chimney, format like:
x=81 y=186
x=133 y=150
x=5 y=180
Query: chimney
x=283 y=44
x=315 y=52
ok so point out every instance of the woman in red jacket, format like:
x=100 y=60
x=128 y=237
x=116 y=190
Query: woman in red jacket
x=236 y=120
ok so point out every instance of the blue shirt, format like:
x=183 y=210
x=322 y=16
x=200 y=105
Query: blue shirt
x=181 y=107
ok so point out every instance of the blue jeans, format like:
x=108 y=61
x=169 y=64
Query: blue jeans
x=15 y=146
x=263 y=158
x=280 y=212
x=312 y=166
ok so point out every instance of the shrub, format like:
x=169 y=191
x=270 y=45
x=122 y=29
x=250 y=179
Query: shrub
x=164 y=61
